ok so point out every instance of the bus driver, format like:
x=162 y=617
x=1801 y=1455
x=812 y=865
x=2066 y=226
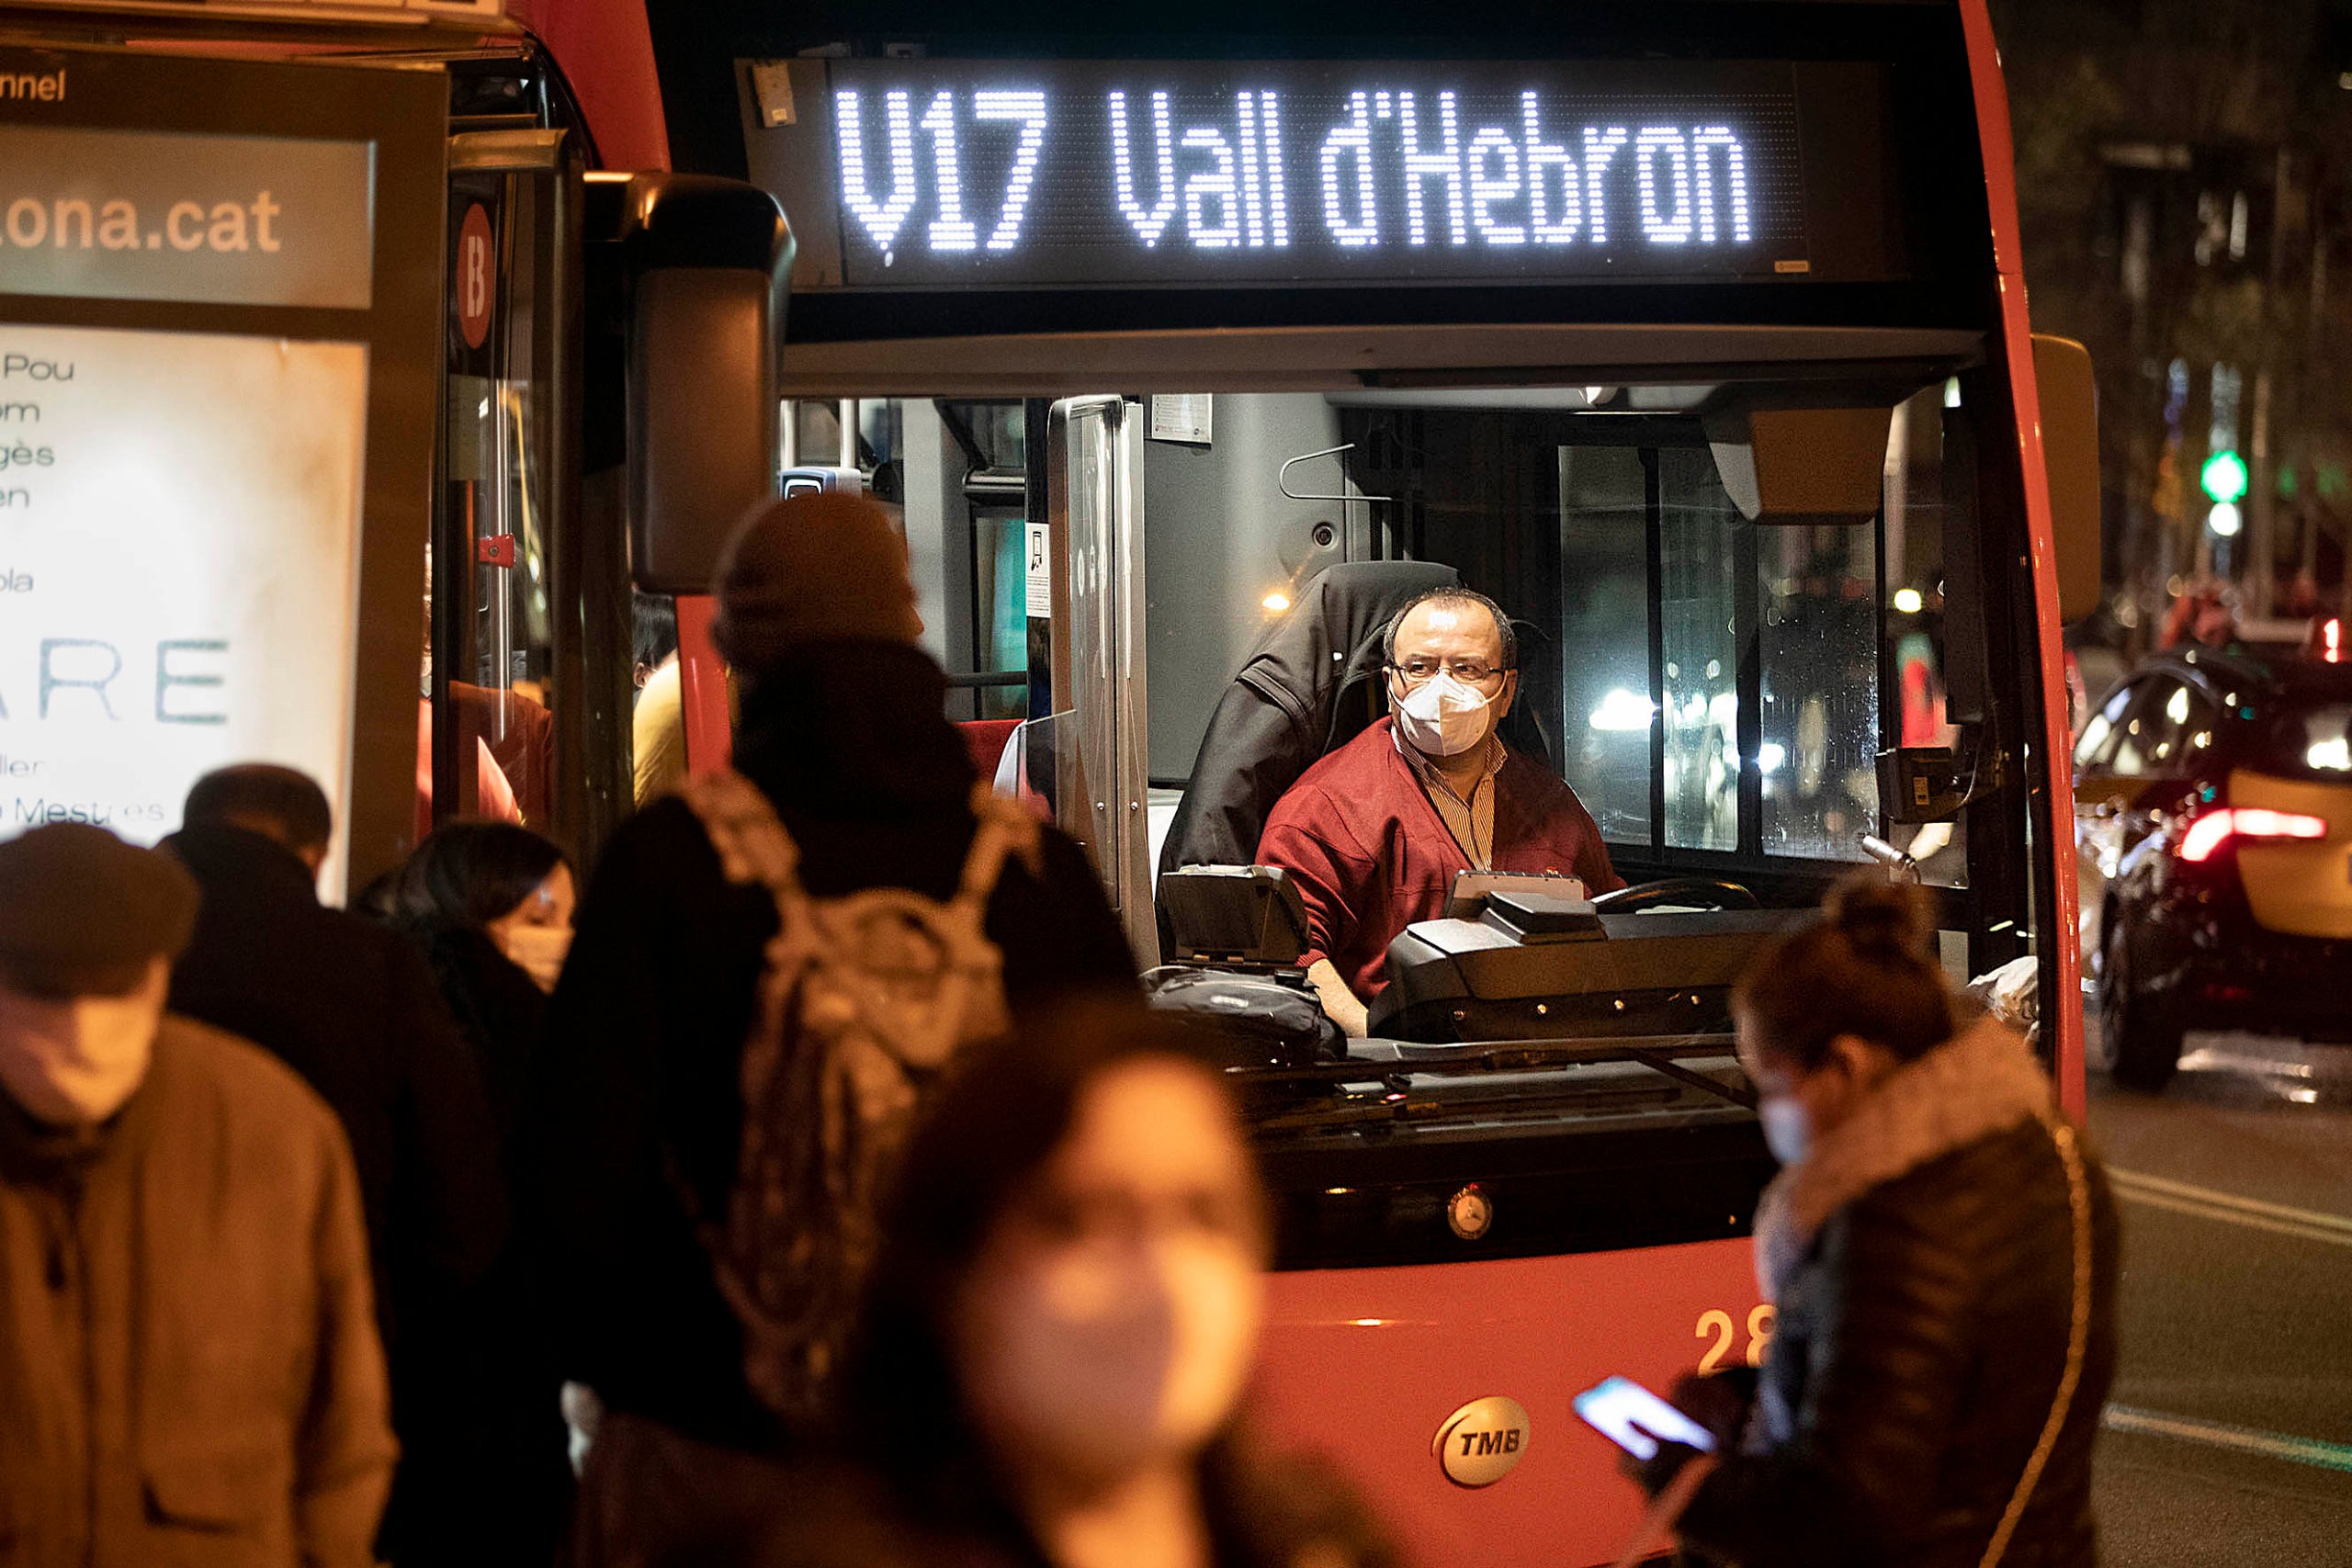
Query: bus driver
x=1374 y=833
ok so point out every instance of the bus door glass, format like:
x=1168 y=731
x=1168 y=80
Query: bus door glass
x=1095 y=453
x=994 y=496
x=506 y=513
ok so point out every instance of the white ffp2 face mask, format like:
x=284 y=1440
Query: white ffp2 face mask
x=74 y=1061
x=1443 y=718
x=1098 y=1366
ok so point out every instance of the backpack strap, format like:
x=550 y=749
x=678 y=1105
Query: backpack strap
x=752 y=845
x=1002 y=827
x=754 y=848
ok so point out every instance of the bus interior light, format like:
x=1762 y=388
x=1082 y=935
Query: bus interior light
x=2209 y=832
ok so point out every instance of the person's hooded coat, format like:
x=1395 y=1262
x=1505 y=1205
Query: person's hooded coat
x=1922 y=1260
x=636 y=1104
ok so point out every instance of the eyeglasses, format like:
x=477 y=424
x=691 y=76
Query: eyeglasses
x=1469 y=672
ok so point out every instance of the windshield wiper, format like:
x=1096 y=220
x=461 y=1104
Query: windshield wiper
x=1400 y=1061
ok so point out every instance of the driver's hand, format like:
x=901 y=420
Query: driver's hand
x=1340 y=1004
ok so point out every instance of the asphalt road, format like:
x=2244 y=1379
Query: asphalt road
x=2229 y=1432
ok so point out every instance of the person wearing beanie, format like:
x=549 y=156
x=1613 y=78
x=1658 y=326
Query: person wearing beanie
x=636 y=1103
x=188 y=1359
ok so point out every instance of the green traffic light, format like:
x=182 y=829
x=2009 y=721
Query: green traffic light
x=2225 y=476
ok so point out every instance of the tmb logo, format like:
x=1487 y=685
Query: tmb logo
x=1483 y=1441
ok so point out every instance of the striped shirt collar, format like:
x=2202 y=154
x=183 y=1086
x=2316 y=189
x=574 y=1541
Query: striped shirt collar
x=1471 y=821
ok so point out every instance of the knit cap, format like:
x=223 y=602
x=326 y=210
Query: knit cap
x=824 y=567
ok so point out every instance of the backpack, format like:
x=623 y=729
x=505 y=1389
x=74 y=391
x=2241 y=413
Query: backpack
x=862 y=1002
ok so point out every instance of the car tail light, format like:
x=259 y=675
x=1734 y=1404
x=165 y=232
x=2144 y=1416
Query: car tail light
x=2211 y=832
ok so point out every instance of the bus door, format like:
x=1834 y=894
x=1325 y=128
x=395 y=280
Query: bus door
x=505 y=663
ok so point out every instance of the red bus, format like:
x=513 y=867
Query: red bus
x=1694 y=333
x=1749 y=442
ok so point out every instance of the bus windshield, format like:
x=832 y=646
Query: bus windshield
x=1714 y=691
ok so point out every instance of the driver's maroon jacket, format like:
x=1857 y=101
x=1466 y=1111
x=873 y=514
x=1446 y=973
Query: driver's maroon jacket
x=1371 y=855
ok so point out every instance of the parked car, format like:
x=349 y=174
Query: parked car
x=2213 y=843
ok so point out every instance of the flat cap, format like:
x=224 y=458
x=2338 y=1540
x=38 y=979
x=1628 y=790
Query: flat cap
x=82 y=914
x=809 y=569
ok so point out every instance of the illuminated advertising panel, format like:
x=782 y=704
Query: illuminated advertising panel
x=217 y=349
x=179 y=550
x=928 y=173
x=222 y=219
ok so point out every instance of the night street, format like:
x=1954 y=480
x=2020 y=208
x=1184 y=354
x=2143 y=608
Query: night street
x=2229 y=1435
x=848 y=785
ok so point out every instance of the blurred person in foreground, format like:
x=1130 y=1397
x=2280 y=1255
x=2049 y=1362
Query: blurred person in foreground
x=489 y=906
x=1941 y=1248
x=351 y=1008
x=189 y=1369
x=772 y=968
x=1061 y=1329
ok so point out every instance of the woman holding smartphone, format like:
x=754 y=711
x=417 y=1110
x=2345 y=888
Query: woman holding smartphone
x=1941 y=1248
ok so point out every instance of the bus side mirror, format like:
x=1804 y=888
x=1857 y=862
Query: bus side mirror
x=2062 y=369
x=706 y=260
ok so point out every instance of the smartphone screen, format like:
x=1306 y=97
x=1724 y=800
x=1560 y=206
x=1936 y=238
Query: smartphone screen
x=1633 y=1419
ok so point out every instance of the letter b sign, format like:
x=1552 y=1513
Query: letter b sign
x=476 y=281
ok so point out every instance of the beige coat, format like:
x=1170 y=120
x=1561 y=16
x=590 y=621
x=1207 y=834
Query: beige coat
x=190 y=1371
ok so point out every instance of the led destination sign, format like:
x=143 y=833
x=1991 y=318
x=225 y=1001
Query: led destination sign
x=928 y=172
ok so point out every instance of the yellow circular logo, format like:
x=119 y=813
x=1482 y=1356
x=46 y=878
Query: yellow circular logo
x=1483 y=1441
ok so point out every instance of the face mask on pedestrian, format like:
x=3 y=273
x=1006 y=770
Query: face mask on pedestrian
x=537 y=950
x=74 y=1061
x=1102 y=1365
x=1788 y=1128
x=1798 y=1105
x=1442 y=717
x=536 y=934
x=1111 y=1324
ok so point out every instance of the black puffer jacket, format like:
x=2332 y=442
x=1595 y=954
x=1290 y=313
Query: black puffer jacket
x=1921 y=1338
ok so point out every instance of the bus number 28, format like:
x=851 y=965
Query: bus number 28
x=1719 y=1325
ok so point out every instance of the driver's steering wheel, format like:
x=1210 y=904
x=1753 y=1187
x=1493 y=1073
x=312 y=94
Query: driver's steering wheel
x=1709 y=892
